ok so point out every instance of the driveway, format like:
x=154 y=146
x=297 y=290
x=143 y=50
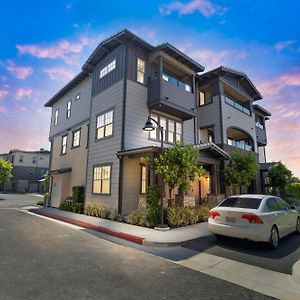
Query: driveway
x=9 y=200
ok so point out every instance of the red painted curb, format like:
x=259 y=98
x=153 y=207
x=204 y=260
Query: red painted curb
x=118 y=234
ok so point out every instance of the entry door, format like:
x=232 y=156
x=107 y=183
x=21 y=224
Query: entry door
x=56 y=193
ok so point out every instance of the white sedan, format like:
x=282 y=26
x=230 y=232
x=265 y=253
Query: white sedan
x=258 y=218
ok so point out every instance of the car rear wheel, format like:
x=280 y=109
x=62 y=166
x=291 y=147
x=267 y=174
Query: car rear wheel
x=297 y=231
x=274 y=238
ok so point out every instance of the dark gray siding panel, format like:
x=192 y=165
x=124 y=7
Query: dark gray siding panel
x=99 y=85
x=237 y=84
x=104 y=151
x=261 y=135
x=210 y=115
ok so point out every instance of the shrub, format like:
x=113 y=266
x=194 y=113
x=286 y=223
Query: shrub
x=152 y=204
x=96 y=210
x=78 y=194
x=138 y=217
x=40 y=202
x=117 y=217
x=178 y=216
x=66 y=206
x=78 y=208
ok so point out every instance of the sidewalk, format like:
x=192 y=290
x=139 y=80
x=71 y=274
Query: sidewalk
x=132 y=233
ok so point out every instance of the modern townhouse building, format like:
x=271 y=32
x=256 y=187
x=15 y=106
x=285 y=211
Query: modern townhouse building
x=97 y=138
x=29 y=168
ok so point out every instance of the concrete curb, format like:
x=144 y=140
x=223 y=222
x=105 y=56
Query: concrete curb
x=296 y=272
x=121 y=235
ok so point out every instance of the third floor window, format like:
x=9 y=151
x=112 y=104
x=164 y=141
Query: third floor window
x=56 y=117
x=107 y=69
x=140 y=76
x=69 y=104
x=76 y=138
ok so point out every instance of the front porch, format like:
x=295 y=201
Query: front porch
x=137 y=177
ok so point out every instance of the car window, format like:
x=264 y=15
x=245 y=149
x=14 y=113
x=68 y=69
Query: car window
x=272 y=204
x=242 y=202
x=282 y=204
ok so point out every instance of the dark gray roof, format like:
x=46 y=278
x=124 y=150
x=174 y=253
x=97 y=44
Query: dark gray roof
x=69 y=86
x=225 y=70
x=262 y=110
x=180 y=56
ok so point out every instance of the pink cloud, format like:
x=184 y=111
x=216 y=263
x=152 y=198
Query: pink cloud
x=284 y=44
x=205 y=7
x=23 y=92
x=20 y=72
x=61 y=50
x=273 y=87
x=2 y=109
x=59 y=73
x=3 y=94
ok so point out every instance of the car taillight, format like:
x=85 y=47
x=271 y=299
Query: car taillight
x=253 y=219
x=213 y=214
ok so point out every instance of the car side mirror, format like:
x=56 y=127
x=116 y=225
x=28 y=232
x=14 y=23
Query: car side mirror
x=292 y=207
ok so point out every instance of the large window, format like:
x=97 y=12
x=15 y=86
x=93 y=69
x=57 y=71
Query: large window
x=69 y=104
x=76 y=138
x=64 y=144
x=105 y=125
x=101 y=179
x=143 y=179
x=172 y=130
x=140 y=76
x=56 y=117
x=107 y=69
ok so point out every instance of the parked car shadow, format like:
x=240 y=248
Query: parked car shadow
x=258 y=254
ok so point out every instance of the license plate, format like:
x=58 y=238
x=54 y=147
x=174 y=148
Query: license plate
x=230 y=219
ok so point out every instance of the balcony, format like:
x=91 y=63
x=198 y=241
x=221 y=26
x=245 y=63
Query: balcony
x=238 y=106
x=172 y=96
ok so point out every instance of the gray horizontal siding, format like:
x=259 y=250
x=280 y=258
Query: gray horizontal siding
x=188 y=132
x=104 y=151
x=209 y=115
x=232 y=117
x=99 y=85
x=80 y=109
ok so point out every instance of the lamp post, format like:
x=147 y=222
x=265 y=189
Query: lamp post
x=149 y=127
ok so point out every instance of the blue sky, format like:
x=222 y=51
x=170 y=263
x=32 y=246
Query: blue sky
x=45 y=43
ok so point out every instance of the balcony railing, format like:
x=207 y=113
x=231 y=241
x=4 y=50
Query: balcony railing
x=239 y=144
x=183 y=86
x=237 y=106
x=259 y=125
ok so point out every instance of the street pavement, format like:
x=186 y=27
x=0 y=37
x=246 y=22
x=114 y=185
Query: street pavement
x=42 y=259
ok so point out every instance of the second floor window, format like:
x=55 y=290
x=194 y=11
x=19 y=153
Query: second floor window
x=172 y=130
x=69 y=104
x=64 y=144
x=107 y=69
x=143 y=179
x=76 y=138
x=56 y=117
x=204 y=98
x=140 y=77
x=105 y=125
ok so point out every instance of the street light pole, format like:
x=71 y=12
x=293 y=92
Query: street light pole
x=149 y=127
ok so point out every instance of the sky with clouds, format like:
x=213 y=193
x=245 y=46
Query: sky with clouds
x=43 y=44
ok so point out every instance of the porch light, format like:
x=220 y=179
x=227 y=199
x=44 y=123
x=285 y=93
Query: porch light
x=148 y=125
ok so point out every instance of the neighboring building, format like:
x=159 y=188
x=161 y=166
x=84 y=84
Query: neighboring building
x=97 y=119
x=29 y=168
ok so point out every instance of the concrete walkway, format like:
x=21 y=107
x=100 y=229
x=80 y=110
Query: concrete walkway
x=136 y=234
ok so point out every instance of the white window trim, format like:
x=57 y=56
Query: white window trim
x=105 y=124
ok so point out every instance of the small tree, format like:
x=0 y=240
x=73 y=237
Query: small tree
x=178 y=167
x=279 y=176
x=46 y=181
x=5 y=170
x=241 y=170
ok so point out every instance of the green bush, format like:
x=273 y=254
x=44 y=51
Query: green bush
x=117 y=217
x=66 y=206
x=178 y=216
x=40 y=202
x=78 y=194
x=78 y=208
x=96 y=210
x=138 y=217
x=152 y=204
